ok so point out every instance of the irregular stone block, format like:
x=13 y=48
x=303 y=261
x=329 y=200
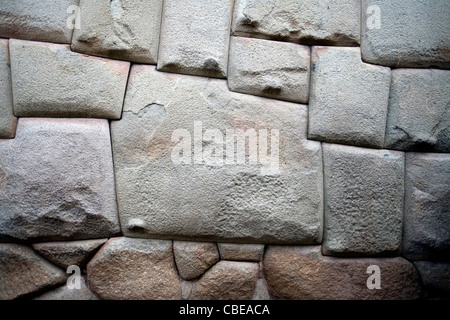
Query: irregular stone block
x=349 y=99
x=363 y=201
x=435 y=277
x=49 y=80
x=302 y=273
x=269 y=68
x=57 y=181
x=67 y=253
x=261 y=291
x=23 y=271
x=406 y=33
x=8 y=121
x=134 y=269
x=119 y=29
x=303 y=21
x=426 y=232
x=195 y=37
x=166 y=189
x=64 y=293
x=419 y=111
x=245 y=252
x=194 y=258
x=227 y=280
x=44 y=20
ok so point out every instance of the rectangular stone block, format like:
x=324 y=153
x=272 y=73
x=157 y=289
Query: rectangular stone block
x=49 y=80
x=419 y=111
x=57 y=181
x=363 y=201
x=348 y=98
x=195 y=37
x=125 y=30
x=241 y=252
x=270 y=69
x=303 y=273
x=192 y=162
x=325 y=22
x=43 y=20
x=426 y=234
x=406 y=33
x=8 y=121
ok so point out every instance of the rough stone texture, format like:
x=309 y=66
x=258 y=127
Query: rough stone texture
x=363 y=201
x=227 y=280
x=44 y=20
x=195 y=37
x=269 y=68
x=426 y=231
x=67 y=253
x=134 y=269
x=303 y=21
x=246 y=252
x=435 y=277
x=205 y=199
x=194 y=258
x=412 y=33
x=8 y=121
x=349 y=99
x=126 y=30
x=261 y=291
x=49 y=80
x=22 y=271
x=64 y=293
x=57 y=181
x=419 y=111
x=302 y=273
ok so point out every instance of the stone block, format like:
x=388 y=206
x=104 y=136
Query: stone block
x=426 y=231
x=170 y=188
x=65 y=293
x=435 y=277
x=195 y=37
x=419 y=111
x=363 y=201
x=270 y=69
x=241 y=252
x=194 y=258
x=57 y=181
x=8 y=122
x=125 y=30
x=406 y=33
x=348 y=98
x=49 y=80
x=302 y=21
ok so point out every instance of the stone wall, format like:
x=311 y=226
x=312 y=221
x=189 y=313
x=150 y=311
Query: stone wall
x=220 y=149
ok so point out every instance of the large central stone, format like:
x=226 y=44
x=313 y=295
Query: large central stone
x=173 y=183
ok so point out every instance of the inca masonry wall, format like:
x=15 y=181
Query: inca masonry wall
x=220 y=149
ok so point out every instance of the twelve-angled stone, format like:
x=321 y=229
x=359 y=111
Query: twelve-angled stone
x=195 y=36
x=49 y=80
x=57 y=181
x=302 y=21
x=349 y=99
x=8 y=121
x=194 y=258
x=126 y=30
x=170 y=184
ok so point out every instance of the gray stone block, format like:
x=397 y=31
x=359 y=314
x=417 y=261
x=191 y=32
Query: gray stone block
x=49 y=80
x=302 y=273
x=348 y=98
x=302 y=21
x=8 y=122
x=195 y=37
x=125 y=30
x=435 y=277
x=271 y=69
x=194 y=258
x=363 y=201
x=237 y=251
x=57 y=181
x=170 y=188
x=419 y=111
x=406 y=33
x=426 y=231
x=44 y=20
